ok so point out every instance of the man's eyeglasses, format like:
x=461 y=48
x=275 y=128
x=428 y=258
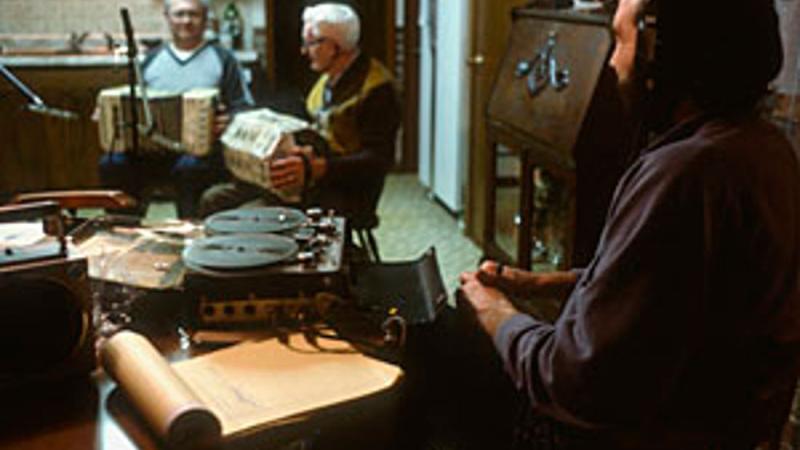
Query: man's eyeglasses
x=312 y=43
x=187 y=14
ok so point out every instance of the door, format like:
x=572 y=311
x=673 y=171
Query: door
x=491 y=27
x=451 y=140
x=444 y=99
x=427 y=70
x=461 y=44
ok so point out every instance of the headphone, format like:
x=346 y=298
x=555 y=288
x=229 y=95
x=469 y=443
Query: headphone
x=705 y=56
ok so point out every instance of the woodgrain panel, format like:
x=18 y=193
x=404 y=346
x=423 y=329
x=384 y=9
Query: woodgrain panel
x=41 y=152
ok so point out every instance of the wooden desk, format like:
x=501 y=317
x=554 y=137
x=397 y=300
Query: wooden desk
x=552 y=111
x=90 y=413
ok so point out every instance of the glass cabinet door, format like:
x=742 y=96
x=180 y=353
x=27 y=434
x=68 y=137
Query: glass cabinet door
x=507 y=201
x=551 y=224
x=546 y=198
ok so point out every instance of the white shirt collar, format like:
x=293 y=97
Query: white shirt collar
x=183 y=55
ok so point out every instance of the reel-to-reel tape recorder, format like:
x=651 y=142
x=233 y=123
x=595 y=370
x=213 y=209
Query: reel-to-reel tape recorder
x=257 y=269
x=267 y=265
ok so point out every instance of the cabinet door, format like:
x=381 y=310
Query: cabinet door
x=40 y=152
x=491 y=27
x=547 y=79
x=546 y=88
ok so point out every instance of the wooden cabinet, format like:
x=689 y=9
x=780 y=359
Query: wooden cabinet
x=555 y=150
x=40 y=152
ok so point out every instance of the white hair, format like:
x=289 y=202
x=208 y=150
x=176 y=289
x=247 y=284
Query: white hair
x=334 y=21
x=206 y=4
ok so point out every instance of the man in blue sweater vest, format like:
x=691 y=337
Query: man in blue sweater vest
x=187 y=62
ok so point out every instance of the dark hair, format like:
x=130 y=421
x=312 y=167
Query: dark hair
x=722 y=53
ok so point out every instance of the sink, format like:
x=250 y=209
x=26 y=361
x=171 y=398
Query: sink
x=70 y=44
x=50 y=45
x=43 y=51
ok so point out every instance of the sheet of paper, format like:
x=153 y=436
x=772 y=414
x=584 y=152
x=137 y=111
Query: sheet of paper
x=254 y=384
x=250 y=386
x=21 y=234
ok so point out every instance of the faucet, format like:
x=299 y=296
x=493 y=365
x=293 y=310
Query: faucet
x=109 y=41
x=76 y=40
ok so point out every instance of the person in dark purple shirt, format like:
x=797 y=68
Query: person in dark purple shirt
x=683 y=332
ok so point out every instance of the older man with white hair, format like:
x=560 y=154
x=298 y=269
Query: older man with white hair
x=353 y=106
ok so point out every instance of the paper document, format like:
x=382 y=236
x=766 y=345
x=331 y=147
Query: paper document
x=249 y=386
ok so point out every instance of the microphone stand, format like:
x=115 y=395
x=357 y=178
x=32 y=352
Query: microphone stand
x=35 y=103
x=134 y=125
x=20 y=86
x=135 y=78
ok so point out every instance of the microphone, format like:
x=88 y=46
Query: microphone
x=45 y=110
x=20 y=86
x=36 y=104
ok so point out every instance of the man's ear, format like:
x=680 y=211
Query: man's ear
x=337 y=48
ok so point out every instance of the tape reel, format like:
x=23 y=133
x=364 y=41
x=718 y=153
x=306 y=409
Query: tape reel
x=238 y=251
x=255 y=220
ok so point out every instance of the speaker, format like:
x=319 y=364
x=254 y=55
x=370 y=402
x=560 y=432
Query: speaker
x=46 y=331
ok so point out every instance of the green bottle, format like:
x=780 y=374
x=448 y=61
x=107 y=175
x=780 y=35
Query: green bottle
x=232 y=25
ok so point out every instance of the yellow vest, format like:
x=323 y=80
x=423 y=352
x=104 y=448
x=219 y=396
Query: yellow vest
x=338 y=123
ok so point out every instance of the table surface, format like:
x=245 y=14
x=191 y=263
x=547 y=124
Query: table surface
x=91 y=413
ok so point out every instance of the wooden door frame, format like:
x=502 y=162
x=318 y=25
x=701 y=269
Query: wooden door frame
x=269 y=7
x=410 y=152
x=391 y=33
x=478 y=175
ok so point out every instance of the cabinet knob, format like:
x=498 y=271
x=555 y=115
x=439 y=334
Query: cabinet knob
x=476 y=60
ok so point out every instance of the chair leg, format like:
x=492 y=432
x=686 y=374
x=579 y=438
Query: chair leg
x=362 y=242
x=366 y=240
x=373 y=246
